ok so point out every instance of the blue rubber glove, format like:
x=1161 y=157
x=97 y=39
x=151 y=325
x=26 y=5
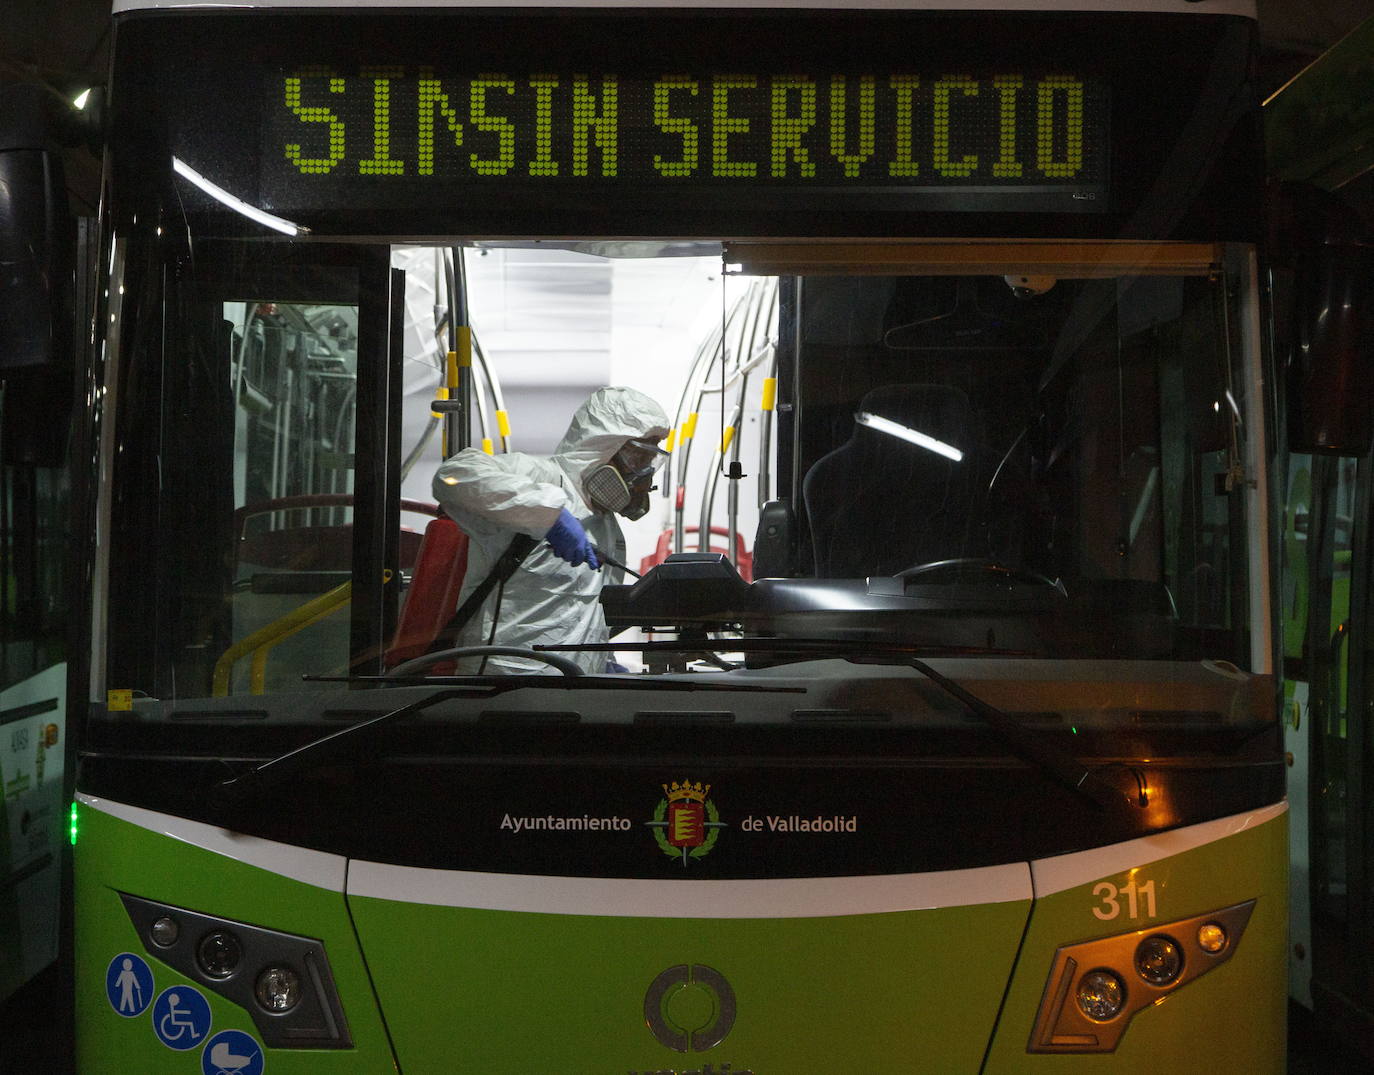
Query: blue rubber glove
x=570 y=542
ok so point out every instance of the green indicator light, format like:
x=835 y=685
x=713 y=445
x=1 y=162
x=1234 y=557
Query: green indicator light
x=72 y=823
x=1074 y=730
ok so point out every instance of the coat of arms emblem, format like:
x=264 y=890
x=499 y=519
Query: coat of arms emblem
x=686 y=822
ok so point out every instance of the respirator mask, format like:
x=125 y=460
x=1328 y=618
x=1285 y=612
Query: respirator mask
x=623 y=484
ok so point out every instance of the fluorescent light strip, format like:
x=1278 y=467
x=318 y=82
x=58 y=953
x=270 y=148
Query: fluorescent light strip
x=252 y=212
x=913 y=436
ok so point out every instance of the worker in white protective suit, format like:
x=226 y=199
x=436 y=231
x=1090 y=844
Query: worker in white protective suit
x=603 y=466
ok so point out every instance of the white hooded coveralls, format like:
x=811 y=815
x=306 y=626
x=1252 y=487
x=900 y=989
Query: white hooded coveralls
x=493 y=497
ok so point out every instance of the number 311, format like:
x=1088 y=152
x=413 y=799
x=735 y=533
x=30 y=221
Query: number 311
x=1134 y=894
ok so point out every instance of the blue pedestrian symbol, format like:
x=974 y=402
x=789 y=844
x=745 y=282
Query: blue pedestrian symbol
x=181 y=1017
x=129 y=985
x=232 y=1052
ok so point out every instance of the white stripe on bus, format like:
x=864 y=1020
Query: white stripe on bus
x=799 y=897
x=804 y=897
x=316 y=868
x=1063 y=872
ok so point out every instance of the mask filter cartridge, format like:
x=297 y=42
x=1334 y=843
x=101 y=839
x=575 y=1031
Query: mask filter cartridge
x=607 y=488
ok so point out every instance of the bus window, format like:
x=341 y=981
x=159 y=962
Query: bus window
x=295 y=385
x=954 y=430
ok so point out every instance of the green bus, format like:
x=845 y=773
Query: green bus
x=37 y=375
x=962 y=755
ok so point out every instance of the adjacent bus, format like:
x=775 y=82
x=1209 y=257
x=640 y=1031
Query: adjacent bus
x=1328 y=263
x=38 y=248
x=960 y=754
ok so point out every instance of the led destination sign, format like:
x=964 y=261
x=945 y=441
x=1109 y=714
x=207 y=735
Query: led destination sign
x=705 y=123
x=373 y=128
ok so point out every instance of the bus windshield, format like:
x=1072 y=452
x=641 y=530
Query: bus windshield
x=945 y=355
x=994 y=463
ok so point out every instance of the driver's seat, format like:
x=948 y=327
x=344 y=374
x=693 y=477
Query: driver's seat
x=879 y=504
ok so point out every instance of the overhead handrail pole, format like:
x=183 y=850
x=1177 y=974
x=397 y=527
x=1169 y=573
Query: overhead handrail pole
x=493 y=385
x=766 y=418
x=760 y=353
x=464 y=347
x=479 y=379
x=684 y=426
x=716 y=349
x=747 y=316
x=458 y=366
x=762 y=310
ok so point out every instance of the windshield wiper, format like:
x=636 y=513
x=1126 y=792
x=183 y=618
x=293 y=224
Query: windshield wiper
x=284 y=765
x=451 y=687
x=1026 y=744
x=1062 y=766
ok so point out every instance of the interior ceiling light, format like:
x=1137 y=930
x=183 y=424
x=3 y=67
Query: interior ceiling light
x=913 y=436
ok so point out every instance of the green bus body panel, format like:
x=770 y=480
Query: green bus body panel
x=1231 y=1019
x=499 y=991
x=113 y=856
x=473 y=990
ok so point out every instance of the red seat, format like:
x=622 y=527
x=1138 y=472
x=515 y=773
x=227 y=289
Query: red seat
x=432 y=599
x=743 y=559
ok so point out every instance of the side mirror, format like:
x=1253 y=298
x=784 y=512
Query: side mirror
x=36 y=237
x=1326 y=337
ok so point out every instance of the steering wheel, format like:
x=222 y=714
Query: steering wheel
x=417 y=664
x=969 y=564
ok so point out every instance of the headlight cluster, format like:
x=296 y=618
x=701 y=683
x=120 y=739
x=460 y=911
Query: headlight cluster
x=1094 y=988
x=1159 y=960
x=282 y=980
x=219 y=953
x=278 y=989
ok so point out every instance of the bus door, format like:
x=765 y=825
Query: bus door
x=285 y=553
x=1333 y=729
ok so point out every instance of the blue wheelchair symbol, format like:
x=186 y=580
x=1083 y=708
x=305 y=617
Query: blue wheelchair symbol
x=181 y=1017
x=232 y=1052
x=129 y=985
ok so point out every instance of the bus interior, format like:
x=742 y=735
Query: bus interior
x=970 y=458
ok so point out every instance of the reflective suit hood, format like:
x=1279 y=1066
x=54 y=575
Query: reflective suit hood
x=608 y=418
